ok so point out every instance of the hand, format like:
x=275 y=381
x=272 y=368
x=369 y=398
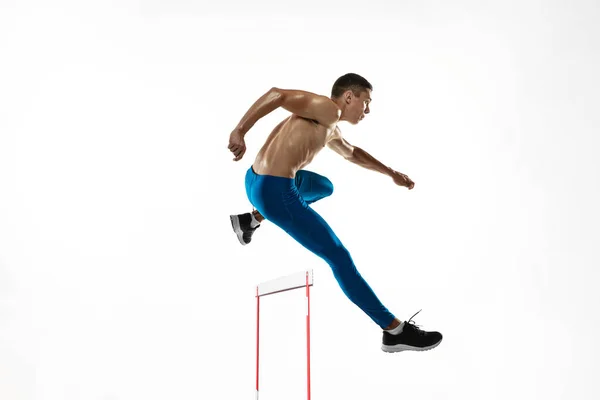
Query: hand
x=237 y=145
x=402 y=180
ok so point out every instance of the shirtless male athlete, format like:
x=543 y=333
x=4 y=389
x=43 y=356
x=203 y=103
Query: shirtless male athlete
x=281 y=190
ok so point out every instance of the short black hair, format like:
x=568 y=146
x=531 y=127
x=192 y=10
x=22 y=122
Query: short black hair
x=350 y=81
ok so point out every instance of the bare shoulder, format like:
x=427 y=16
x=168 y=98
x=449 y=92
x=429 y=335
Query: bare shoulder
x=337 y=133
x=310 y=105
x=338 y=144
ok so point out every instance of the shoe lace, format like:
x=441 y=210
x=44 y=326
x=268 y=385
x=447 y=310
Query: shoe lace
x=415 y=326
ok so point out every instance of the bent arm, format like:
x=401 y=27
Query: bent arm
x=357 y=155
x=304 y=104
x=266 y=104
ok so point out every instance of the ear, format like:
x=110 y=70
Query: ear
x=348 y=95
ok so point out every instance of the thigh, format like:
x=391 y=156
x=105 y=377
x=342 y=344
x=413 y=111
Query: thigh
x=308 y=228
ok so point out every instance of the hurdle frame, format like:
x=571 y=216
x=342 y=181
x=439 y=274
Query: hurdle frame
x=298 y=280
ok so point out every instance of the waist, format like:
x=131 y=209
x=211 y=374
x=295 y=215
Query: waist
x=273 y=173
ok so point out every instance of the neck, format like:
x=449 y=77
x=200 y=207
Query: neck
x=340 y=103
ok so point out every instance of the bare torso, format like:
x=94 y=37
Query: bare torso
x=291 y=146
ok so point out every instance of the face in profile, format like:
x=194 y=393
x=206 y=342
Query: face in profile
x=357 y=106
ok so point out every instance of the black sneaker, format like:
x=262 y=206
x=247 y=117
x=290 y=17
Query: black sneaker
x=411 y=338
x=242 y=227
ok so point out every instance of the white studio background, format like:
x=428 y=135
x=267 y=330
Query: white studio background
x=120 y=276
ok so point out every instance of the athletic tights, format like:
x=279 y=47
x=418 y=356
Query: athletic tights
x=285 y=202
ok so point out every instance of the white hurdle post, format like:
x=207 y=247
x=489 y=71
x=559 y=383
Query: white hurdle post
x=298 y=280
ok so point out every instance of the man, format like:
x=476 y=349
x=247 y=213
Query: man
x=281 y=190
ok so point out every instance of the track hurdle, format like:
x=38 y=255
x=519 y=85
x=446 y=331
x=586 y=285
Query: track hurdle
x=298 y=280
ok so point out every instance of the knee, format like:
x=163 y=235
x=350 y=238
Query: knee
x=339 y=258
x=325 y=187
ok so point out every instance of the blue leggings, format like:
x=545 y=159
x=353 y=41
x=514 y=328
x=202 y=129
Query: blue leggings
x=285 y=202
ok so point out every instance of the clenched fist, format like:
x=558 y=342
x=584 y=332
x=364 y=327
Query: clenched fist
x=402 y=180
x=237 y=145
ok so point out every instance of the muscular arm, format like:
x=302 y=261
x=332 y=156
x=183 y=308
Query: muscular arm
x=357 y=155
x=360 y=157
x=304 y=104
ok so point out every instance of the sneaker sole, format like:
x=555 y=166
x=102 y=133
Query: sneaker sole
x=235 y=223
x=404 y=347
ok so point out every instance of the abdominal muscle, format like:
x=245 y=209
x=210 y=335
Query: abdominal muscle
x=291 y=146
